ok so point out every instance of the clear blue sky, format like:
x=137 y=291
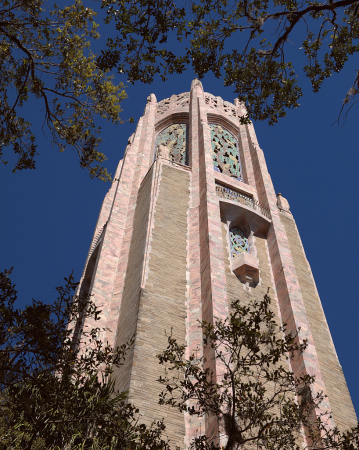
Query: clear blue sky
x=49 y=214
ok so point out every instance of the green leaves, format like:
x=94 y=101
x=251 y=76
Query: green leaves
x=257 y=399
x=45 y=55
x=56 y=389
x=244 y=42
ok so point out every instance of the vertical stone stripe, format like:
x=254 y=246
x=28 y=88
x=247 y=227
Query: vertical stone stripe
x=248 y=175
x=214 y=237
x=106 y=266
x=155 y=173
x=114 y=234
x=194 y=425
x=214 y=294
x=334 y=380
x=128 y=313
x=290 y=298
x=140 y=166
x=211 y=423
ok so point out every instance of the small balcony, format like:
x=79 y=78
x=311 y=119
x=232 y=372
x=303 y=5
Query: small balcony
x=249 y=202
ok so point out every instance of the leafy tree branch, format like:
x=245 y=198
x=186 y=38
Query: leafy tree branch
x=56 y=389
x=257 y=400
x=45 y=55
x=245 y=42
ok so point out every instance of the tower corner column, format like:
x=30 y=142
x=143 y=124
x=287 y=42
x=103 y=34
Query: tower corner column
x=292 y=307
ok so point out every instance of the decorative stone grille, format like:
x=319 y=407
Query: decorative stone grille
x=163 y=106
x=174 y=102
x=218 y=103
x=229 y=109
x=175 y=137
x=225 y=152
x=211 y=100
x=182 y=100
x=245 y=200
x=239 y=242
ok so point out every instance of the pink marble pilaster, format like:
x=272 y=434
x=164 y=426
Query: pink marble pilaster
x=214 y=291
x=194 y=426
x=287 y=285
x=140 y=164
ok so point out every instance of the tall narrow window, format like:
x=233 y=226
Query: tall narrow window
x=225 y=152
x=175 y=137
x=239 y=241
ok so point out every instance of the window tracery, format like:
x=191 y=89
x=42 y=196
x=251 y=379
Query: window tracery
x=225 y=152
x=175 y=137
x=239 y=241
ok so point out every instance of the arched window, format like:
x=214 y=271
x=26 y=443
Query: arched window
x=175 y=137
x=239 y=241
x=225 y=152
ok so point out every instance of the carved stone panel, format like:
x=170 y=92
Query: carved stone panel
x=239 y=241
x=175 y=137
x=173 y=103
x=225 y=152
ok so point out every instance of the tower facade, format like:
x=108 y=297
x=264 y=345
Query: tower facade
x=192 y=223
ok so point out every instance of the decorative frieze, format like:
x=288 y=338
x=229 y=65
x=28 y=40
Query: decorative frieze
x=174 y=102
x=182 y=101
x=163 y=106
x=229 y=109
x=217 y=103
x=211 y=100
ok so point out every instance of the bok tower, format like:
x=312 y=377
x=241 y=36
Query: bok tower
x=192 y=223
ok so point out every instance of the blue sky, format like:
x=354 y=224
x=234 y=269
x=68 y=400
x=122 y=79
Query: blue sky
x=49 y=214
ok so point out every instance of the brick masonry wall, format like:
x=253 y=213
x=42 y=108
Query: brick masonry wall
x=163 y=301
x=336 y=387
x=161 y=306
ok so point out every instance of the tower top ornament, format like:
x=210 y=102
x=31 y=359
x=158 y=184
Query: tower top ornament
x=195 y=83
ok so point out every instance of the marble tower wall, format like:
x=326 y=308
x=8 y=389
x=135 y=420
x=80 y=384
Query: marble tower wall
x=160 y=257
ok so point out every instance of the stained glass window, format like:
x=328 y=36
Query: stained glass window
x=175 y=137
x=225 y=152
x=239 y=242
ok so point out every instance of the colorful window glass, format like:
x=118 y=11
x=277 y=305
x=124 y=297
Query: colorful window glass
x=239 y=242
x=175 y=137
x=225 y=152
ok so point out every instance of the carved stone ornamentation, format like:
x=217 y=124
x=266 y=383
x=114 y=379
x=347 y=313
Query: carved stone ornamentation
x=163 y=152
x=283 y=204
x=239 y=241
x=244 y=264
x=211 y=100
x=218 y=103
x=163 y=106
x=229 y=109
x=246 y=267
x=172 y=103
x=175 y=138
x=182 y=100
x=225 y=152
x=151 y=98
x=195 y=83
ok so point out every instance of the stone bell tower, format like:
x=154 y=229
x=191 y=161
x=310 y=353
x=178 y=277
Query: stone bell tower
x=190 y=224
